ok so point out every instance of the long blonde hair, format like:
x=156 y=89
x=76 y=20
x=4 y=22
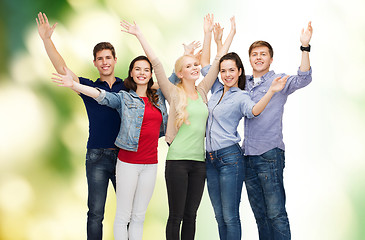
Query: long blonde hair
x=182 y=114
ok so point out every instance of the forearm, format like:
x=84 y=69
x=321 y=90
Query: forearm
x=260 y=106
x=224 y=49
x=146 y=47
x=54 y=56
x=86 y=90
x=305 y=63
x=205 y=57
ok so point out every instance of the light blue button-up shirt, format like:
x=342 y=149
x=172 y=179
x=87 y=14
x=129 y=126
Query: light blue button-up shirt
x=264 y=132
x=225 y=115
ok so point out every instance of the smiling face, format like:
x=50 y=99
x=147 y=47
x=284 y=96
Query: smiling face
x=105 y=62
x=230 y=73
x=141 y=72
x=187 y=68
x=260 y=60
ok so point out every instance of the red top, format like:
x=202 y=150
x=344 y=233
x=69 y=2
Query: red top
x=148 y=138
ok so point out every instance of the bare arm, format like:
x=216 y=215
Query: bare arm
x=66 y=80
x=218 y=34
x=305 y=38
x=166 y=86
x=45 y=32
x=210 y=78
x=208 y=28
x=276 y=86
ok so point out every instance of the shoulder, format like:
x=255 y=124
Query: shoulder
x=86 y=81
x=120 y=83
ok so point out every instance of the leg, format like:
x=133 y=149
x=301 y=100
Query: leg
x=271 y=178
x=176 y=176
x=196 y=182
x=100 y=167
x=231 y=181
x=142 y=197
x=256 y=198
x=127 y=178
x=214 y=191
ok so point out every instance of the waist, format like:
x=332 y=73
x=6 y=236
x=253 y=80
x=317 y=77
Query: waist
x=235 y=148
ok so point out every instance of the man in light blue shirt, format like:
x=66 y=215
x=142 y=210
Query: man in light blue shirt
x=263 y=139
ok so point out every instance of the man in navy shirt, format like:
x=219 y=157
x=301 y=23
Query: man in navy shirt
x=263 y=143
x=104 y=123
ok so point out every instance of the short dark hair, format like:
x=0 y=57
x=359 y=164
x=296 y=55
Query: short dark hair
x=234 y=57
x=261 y=44
x=101 y=46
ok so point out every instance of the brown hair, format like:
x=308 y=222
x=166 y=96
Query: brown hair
x=234 y=57
x=261 y=44
x=102 y=46
x=130 y=84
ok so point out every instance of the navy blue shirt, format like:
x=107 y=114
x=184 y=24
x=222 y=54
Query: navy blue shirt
x=104 y=122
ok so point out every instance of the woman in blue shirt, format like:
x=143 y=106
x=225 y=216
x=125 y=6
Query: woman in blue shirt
x=224 y=157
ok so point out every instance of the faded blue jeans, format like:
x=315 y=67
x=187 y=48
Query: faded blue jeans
x=225 y=175
x=100 y=168
x=265 y=190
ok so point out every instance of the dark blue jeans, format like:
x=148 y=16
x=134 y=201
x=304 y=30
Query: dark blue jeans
x=185 y=180
x=225 y=175
x=100 y=168
x=265 y=190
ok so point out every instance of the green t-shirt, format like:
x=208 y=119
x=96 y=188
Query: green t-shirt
x=189 y=141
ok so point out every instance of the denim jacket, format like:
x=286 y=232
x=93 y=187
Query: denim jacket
x=131 y=110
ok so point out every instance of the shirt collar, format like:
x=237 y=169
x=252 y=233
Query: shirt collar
x=265 y=77
x=232 y=89
x=117 y=80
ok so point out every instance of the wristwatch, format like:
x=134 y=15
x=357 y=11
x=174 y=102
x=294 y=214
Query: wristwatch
x=307 y=49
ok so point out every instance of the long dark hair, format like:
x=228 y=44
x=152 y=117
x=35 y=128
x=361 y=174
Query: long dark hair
x=234 y=57
x=130 y=84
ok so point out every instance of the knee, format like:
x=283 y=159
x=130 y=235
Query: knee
x=189 y=217
x=232 y=220
x=137 y=217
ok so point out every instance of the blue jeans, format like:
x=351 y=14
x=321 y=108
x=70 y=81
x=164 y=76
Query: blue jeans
x=225 y=175
x=100 y=168
x=265 y=190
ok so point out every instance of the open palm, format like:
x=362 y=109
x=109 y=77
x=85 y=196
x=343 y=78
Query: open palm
x=44 y=29
x=130 y=28
x=306 y=35
x=278 y=83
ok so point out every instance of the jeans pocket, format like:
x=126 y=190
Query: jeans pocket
x=269 y=156
x=231 y=158
x=94 y=155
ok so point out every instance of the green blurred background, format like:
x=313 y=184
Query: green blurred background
x=44 y=129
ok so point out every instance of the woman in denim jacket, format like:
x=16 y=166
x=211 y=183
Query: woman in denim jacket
x=224 y=158
x=143 y=120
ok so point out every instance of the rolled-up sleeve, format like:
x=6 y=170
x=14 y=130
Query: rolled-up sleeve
x=246 y=106
x=109 y=99
x=298 y=81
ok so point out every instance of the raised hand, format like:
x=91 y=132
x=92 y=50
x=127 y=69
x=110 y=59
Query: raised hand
x=130 y=28
x=218 y=33
x=64 y=80
x=208 y=23
x=44 y=29
x=190 y=48
x=233 y=25
x=198 y=55
x=278 y=83
x=306 y=35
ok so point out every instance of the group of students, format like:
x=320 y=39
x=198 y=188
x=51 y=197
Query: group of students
x=126 y=118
